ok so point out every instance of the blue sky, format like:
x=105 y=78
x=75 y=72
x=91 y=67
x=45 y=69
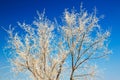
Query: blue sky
x=12 y=11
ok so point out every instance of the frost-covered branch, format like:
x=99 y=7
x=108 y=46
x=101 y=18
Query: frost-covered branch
x=49 y=52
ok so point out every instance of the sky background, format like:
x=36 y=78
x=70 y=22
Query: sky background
x=12 y=11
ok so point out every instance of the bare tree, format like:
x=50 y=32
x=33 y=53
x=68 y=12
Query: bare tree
x=49 y=51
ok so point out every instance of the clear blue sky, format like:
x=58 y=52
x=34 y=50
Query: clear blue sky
x=12 y=11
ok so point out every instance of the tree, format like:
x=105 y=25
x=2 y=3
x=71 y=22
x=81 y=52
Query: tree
x=49 y=51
